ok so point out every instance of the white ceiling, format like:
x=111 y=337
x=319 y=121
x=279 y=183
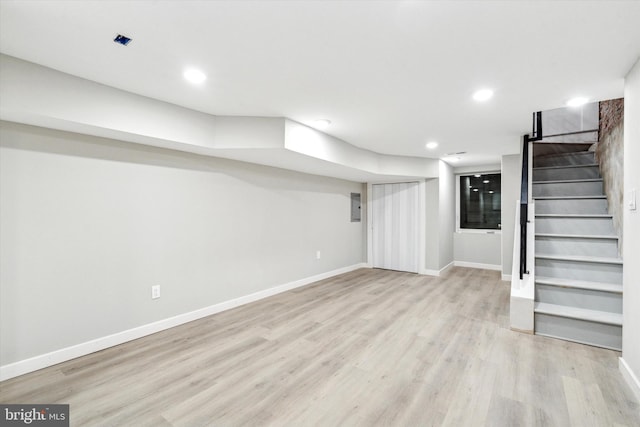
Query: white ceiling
x=390 y=75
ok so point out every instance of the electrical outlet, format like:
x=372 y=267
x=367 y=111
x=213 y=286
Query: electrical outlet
x=155 y=291
x=317 y=254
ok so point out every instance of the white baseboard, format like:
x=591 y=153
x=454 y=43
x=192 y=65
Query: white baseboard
x=428 y=272
x=58 y=356
x=436 y=273
x=630 y=378
x=447 y=267
x=506 y=277
x=477 y=265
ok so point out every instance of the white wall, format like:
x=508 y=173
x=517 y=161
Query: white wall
x=40 y=96
x=481 y=250
x=440 y=212
x=88 y=225
x=630 y=364
x=432 y=224
x=447 y=213
x=510 y=190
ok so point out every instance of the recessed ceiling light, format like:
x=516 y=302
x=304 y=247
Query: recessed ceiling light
x=486 y=181
x=483 y=95
x=577 y=102
x=194 y=76
x=490 y=192
x=475 y=189
x=321 y=123
x=431 y=145
x=477 y=175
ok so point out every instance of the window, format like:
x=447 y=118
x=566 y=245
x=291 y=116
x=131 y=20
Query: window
x=479 y=202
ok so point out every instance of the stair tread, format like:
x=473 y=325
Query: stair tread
x=578 y=313
x=580 y=236
x=581 y=258
x=574 y=215
x=568 y=153
x=579 y=284
x=566 y=166
x=567 y=181
x=595 y=196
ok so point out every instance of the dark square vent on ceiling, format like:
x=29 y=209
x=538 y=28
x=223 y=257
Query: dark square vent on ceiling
x=123 y=40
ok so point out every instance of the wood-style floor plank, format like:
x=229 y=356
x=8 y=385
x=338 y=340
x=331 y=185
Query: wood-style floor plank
x=371 y=347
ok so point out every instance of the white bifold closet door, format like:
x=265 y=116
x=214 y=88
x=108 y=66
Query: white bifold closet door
x=394 y=223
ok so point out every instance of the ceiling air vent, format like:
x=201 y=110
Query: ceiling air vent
x=123 y=40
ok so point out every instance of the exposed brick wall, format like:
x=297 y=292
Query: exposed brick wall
x=609 y=154
x=611 y=115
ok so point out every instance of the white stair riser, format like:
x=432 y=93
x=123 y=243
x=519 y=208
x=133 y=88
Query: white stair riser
x=581 y=298
x=565 y=160
x=577 y=246
x=584 y=172
x=584 y=331
x=586 y=138
x=573 y=206
x=595 y=272
x=571 y=225
x=599 y=334
x=584 y=188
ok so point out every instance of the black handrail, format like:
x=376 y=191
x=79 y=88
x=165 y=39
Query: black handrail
x=536 y=135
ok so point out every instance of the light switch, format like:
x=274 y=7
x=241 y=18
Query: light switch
x=632 y=200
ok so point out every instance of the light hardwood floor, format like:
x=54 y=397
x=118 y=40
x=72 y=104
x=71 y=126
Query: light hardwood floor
x=371 y=347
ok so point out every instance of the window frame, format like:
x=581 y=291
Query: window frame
x=457 y=219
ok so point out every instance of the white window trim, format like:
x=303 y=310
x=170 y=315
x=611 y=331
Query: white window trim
x=472 y=230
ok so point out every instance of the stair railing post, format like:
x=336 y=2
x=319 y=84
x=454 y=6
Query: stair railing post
x=536 y=135
x=524 y=201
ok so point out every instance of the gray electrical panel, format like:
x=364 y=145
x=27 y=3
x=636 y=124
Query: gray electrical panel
x=355 y=207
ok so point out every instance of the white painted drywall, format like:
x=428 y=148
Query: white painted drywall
x=510 y=192
x=432 y=225
x=39 y=96
x=477 y=248
x=631 y=248
x=447 y=214
x=310 y=142
x=440 y=210
x=88 y=225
